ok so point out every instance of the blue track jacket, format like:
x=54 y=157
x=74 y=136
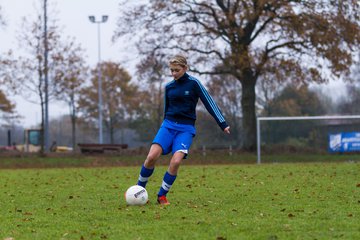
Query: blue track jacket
x=181 y=97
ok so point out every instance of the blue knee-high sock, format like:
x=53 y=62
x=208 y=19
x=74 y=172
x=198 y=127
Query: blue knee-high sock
x=166 y=184
x=145 y=173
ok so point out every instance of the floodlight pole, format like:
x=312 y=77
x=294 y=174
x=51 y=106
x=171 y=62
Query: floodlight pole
x=46 y=84
x=103 y=20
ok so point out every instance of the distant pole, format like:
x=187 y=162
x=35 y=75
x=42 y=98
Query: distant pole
x=46 y=124
x=9 y=137
x=9 y=131
x=103 y=20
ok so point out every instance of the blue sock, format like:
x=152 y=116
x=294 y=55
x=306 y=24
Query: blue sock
x=166 y=184
x=145 y=173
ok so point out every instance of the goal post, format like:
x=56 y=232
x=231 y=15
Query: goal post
x=261 y=120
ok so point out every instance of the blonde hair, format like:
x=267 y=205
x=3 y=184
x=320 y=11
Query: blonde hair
x=179 y=60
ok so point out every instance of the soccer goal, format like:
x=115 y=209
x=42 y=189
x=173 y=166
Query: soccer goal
x=313 y=138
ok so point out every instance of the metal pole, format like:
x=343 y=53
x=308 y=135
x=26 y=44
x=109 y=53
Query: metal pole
x=9 y=137
x=258 y=140
x=46 y=124
x=103 y=20
x=100 y=88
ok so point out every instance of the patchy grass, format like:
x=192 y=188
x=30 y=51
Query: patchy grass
x=269 y=201
x=130 y=158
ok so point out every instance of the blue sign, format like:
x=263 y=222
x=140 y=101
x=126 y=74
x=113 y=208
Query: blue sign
x=344 y=142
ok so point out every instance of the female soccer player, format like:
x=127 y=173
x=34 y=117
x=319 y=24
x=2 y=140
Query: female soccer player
x=177 y=130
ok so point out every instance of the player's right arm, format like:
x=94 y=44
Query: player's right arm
x=166 y=101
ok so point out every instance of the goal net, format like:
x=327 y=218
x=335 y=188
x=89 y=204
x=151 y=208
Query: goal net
x=308 y=139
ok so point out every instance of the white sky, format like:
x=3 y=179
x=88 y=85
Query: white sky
x=73 y=19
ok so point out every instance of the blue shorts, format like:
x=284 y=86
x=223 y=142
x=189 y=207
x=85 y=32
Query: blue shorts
x=174 y=137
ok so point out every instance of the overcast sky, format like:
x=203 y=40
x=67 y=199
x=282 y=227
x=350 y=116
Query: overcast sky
x=73 y=18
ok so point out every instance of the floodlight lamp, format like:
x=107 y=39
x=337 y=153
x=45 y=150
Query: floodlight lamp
x=92 y=19
x=105 y=18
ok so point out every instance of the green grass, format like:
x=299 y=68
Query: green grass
x=269 y=201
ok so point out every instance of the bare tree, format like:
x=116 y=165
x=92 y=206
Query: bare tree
x=228 y=99
x=151 y=71
x=2 y=20
x=309 y=41
x=26 y=72
x=71 y=73
x=349 y=104
x=5 y=104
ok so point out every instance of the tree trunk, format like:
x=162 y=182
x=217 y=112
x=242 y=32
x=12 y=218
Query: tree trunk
x=248 y=111
x=73 y=128
x=73 y=120
x=42 y=127
x=111 y=130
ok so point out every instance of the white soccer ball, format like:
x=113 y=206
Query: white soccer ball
x=136 y=195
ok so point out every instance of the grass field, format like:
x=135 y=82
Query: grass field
x=268 y=201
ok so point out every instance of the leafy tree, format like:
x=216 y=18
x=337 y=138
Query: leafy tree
x=6 y=106
x=5 y=103
x=296 y=101
x=7 y=109
x=121 y=98
x=292 y=101
x=289 y=39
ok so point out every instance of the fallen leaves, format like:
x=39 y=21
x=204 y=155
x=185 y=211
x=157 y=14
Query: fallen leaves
x=290 y=215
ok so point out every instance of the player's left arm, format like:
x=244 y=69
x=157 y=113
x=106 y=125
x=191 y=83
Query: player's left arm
x=212 y=107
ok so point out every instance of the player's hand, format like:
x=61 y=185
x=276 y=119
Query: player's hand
x=227 y=130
